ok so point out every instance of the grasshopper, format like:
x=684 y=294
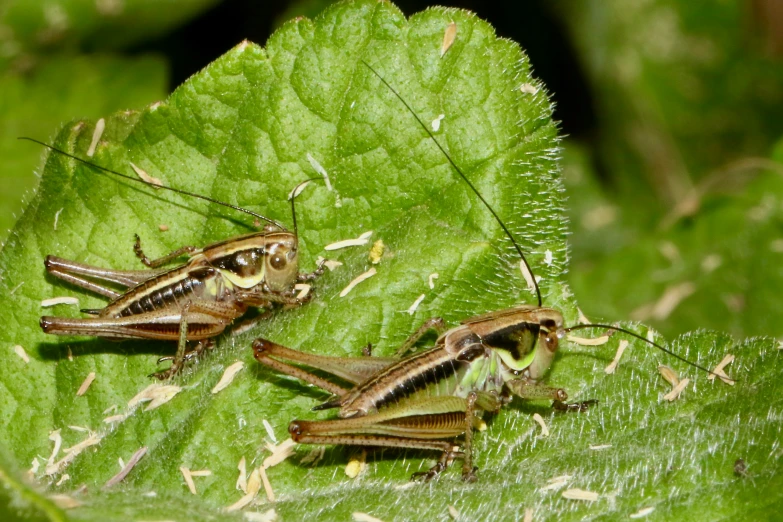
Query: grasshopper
x=427 y=399
x=194 y=301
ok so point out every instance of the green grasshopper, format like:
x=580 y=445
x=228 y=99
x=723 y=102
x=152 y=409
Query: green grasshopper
x=427 y=399
x=194 y=301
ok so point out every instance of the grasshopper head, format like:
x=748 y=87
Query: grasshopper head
x=281 y=261
x=525 y=337
x=262 y=257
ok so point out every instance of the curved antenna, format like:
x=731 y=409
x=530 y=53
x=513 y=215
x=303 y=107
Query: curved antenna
x=137 y=180
x=294 y=193
x=465 y=178
x=637 y=336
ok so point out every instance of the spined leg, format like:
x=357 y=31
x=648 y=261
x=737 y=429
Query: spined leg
x=434 y=323
x=179 y=357
x=154 y=263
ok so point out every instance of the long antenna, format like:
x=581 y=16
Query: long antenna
x=462 y=175
x=137 y=180
x=652 y=343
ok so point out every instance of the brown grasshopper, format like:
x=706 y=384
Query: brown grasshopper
x=428 y=399
x=194 y=301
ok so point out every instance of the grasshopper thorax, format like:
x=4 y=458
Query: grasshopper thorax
x=261 y=257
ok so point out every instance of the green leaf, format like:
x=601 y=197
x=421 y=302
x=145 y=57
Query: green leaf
x=30 y=26
x=37 y=102
x=682 y=89
x=241 y=131
x=725 y=254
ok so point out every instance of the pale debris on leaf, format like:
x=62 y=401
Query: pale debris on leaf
x=528 y=88
x=531 y=284
x=54 y=301
x=661 y=309
x=269 y=430
x=85 y=384
x=540 y=420
x=677 y=390
x=711 y=262
x=449 y=35
x=280 y=452
x=612 y=366
x=64 y=501
x=528 y=515
x=363 y=239
x=356 y=465
x=146 y=177
x=358 y=516
x=582 y=317
x=669 y=375
x=642 y=512
x=556 y=483
x=671 y=298
x=242 y=479
x=361 y=277
x=376 y=252
x=188 y=479
x=65 y=478
x=267 y=516
x=600 y=447
x=21 y=353
x=163 y=228
x=200 y=472
x=55 y=437
x=253 y=487
x=304 y=290
x=157 y=394
x=81 y=429
x=548 y=257
x=331 y=264
x=298 y=190
x=100 y=125
x=228 y=376
x=14 y=289
x=580 y=494
x=412 y=308
x=120 y=462
x=436 y=122
x=35 y=465
x=119 y=477
x=728 y=359
x=670 y=251
x=320 y=170
x=270 y=495
x=587 y=341
x=453 y=513
x=116 y=418
x=433 y=277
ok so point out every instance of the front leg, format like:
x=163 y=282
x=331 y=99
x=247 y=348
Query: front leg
x=315 y=274
x=534 y=391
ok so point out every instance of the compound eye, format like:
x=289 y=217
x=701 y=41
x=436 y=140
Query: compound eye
x=278 y=262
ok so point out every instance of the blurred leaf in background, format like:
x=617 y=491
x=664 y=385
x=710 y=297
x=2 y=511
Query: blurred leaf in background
x=240 y=131
x=54 y=67
x=676 y=200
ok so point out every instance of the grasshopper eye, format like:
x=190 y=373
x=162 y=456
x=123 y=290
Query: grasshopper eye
x=278 y=261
